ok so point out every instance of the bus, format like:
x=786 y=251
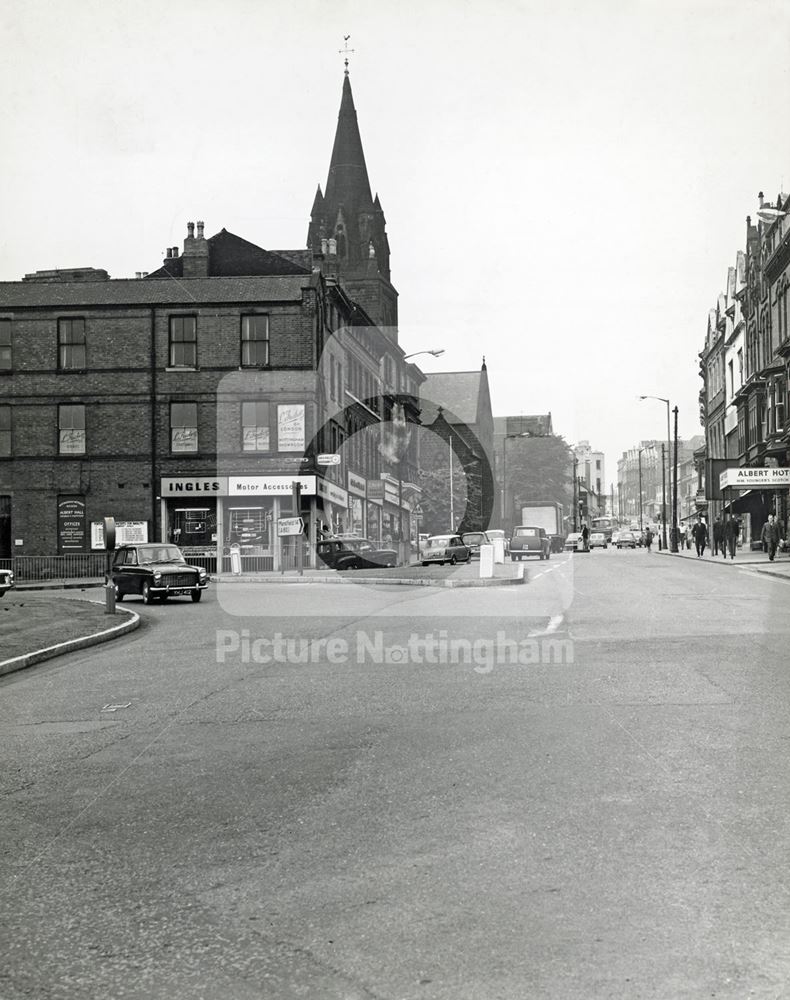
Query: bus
x=604 y=525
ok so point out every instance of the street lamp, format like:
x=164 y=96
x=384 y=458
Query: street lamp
x=437 y=352
x=661 y=399
x=640 y=488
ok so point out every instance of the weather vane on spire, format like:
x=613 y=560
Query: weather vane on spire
x=345 y=50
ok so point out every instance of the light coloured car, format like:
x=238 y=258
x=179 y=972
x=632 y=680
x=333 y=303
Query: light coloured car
x=474 y=539
x=626 y=540
x=494 y=533
x=598 y=540
x=573 y=541
x=445 y=549
x=6 y=580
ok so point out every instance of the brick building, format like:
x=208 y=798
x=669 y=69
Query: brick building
x=186 y=402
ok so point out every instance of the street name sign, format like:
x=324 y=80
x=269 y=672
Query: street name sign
x=290 y=526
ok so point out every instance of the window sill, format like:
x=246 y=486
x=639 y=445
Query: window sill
x=182 y=368
x=255 y=368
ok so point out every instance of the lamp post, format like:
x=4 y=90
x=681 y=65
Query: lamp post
x=675 y=488
x=640 y=487
x=664 y=484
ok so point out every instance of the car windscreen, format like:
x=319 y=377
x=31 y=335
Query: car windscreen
x=525 y=532
x=159 y=553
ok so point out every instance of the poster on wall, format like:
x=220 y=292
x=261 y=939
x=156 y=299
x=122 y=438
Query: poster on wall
x=290 y=427
x=71 y=524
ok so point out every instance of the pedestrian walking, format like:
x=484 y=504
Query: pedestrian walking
x=731 y=528
x=585 y=538
x=648 y=539
x=718 y=537
x=771 y=536
x=700 y=535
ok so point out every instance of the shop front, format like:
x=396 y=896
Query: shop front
x=209 y=517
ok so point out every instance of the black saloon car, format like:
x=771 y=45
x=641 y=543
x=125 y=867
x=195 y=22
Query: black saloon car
x=354 y=553
x=156 y=570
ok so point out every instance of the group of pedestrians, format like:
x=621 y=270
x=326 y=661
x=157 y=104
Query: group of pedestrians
x=724 y=536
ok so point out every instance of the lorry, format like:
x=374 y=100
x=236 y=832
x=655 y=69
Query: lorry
x=546 y=514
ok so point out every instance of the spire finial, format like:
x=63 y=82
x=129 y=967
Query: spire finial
x=345 y=51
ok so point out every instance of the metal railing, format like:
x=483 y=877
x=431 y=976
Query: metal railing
x=44 y=569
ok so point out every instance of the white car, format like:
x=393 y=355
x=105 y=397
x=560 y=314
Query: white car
x=598 y=540
x=6 y=580
x=573 y=541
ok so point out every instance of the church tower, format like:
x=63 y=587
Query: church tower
x=347 y=225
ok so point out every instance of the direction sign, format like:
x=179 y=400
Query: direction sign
x=328 y=459
x=290 y=526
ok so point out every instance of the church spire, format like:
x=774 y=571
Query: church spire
x=347 y=183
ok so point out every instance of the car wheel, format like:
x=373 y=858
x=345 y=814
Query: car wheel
x=453 y=560
x=426 y=564
x=145 y=593
x=118 y=594
x=196 y=595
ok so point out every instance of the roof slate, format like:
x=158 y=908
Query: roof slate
x=151 y=292
x=458 y=393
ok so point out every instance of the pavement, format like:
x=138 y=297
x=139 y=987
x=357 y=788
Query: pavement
x=756 y=561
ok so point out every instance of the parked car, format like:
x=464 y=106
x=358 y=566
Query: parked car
x=445 y=548
x=155 y=571
x=6 y=580
x=474 y=539
x=352 y=552
x=573 y=542
x=528 y=540
x=626 y=540
x=598 y=540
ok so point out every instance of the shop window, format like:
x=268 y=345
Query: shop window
x=183 y=342
x=5 y=345
x=71 y=429
x=254 y=341
x=193 y=526
x=5 y=431
x=249 y=527
x=71 y=343
x=183 y=427
x=255 y=426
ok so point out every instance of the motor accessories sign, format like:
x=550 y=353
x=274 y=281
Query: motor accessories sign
x=754 y=479
x=71 y=524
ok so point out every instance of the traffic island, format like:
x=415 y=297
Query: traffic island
x=37 y=627
x=505 y=575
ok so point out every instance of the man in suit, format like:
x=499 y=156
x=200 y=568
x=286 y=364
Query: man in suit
x=700 y=535
x=771 y=535
x=730 y=537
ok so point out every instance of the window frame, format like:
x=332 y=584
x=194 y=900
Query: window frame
x=6 y=322
x=7 y=431
x=184 y=426
x=246 y=343
x=257 y=427
x=173 y=343
x=65 y=428
x=67 y=345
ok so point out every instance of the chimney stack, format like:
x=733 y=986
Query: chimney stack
x=200 y=229
x=190 y=230
x=195 y=259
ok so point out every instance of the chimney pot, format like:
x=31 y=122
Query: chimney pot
x=200 y=229
x=138 y=274
x=169 y=251
x=760 y=196
x=332 y=247
x=191 y=230
x=175 y=251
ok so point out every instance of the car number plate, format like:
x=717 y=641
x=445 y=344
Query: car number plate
x=181 y=590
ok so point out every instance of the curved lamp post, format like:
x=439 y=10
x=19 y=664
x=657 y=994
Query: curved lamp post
x=661 y=399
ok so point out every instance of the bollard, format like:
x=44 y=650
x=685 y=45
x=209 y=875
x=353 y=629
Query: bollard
x=109 y=598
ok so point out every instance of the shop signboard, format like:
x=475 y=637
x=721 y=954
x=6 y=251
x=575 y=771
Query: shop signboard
x=333 y=493
x=265 y=486
x=356 y=484
x=746 y=478
x=71 y=524
x=202 y=486
x=375 y=489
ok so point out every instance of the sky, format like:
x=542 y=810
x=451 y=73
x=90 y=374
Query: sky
x=565 y=183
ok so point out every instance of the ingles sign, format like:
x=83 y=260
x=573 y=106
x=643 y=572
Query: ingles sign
x=754 y=479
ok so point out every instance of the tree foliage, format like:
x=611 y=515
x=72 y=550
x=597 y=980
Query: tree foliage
x=539 y=468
